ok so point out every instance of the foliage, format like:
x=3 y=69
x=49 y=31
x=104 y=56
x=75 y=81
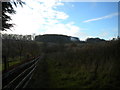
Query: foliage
x=19 y=47
x=67 y=65
x=55 y=38
x=7 y=9
x=92 y=40
x=86 y=65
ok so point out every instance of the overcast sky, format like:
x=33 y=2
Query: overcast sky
x=79 y=19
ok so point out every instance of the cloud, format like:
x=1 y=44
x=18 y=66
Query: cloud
x=100 y=18
x=42 y=18
x=34 y=15
x=66 y=29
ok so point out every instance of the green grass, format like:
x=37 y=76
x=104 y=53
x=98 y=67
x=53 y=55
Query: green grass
x=80 y=75
x=89 y=66
x=0 y=66
x=14 y=63
x=10 y=64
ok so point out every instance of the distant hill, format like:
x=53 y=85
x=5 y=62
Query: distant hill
x=56 y=38
x=94 y=40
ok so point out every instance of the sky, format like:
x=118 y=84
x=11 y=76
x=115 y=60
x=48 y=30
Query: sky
x=79 y=19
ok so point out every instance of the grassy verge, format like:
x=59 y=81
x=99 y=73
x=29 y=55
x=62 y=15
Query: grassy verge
x=89 y=66
x=10 y=64
x=0 y=66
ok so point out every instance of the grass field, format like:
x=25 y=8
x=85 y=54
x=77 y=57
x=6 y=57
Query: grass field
x=10 y=64
x=89 y=66
x=0 y=66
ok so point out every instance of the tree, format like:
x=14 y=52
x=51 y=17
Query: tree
x=7 y=8
x=93 y=40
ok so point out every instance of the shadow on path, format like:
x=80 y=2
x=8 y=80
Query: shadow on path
x=40 y=78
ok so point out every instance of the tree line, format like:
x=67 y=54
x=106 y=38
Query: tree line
x=18 y=47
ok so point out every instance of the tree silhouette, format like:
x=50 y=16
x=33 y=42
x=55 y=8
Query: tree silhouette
x=7 y=8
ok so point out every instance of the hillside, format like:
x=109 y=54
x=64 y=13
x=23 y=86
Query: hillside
x=56 y=38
